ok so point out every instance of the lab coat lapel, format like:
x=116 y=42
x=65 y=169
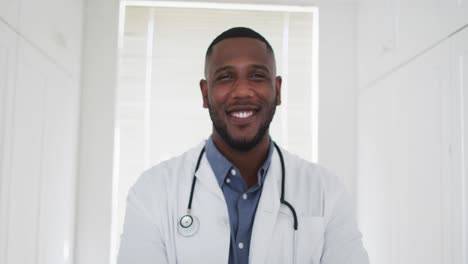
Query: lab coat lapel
x=267 y=212
x=206 y=177
x=211 y=243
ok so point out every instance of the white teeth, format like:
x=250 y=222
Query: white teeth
x=243 y=114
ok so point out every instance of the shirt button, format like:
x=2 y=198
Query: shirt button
x=241 y=245
x=228 y=180
x=244 y=196
x=233 y=172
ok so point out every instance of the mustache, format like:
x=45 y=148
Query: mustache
x=243 y=105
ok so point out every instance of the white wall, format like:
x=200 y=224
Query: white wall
x=412 y=187
x=95 y=182
x=40 y=54
x=337 y=88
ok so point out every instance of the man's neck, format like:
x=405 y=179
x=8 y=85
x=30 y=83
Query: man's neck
x=248 y=162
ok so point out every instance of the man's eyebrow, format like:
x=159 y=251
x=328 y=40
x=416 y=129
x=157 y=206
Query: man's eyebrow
x=255 y=66
x=261 y=67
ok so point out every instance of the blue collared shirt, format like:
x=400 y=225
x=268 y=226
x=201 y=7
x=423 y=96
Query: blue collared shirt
x=241 y=201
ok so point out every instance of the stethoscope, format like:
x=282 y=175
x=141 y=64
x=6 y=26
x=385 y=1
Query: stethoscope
x=189 y=224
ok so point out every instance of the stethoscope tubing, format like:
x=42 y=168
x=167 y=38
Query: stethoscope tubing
x=192 y=189
x=193 y=221
x=188 y=224
x=283 y=184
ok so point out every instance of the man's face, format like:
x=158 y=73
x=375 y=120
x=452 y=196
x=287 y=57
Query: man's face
x=241 y=91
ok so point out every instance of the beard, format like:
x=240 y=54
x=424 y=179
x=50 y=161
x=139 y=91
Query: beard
x=243 y=144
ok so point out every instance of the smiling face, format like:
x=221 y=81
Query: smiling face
x=241 y=91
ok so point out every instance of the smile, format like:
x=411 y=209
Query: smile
x=242 y=114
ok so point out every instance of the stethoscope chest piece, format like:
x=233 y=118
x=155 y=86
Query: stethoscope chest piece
x=188 y=225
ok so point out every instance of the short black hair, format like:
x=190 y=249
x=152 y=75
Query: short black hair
x=238 y=32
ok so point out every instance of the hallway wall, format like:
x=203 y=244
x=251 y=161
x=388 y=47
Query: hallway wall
x=412 y=185
x=40 y=64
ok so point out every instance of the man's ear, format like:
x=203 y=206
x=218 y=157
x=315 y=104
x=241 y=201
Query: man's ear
x=204 y=91
x=278 y=82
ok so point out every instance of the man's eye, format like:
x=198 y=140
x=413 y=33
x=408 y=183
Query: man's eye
x=258 y=76
x=224 y=77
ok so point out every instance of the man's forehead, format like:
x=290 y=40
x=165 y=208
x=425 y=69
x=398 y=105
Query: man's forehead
x=245 y=49
x=239 y=44
x=240 y=48
x=237 y=32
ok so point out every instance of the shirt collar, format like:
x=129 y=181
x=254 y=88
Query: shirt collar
x=221 y=165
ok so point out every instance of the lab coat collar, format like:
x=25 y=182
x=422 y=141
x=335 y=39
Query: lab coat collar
x=207 y=177
x=267 y=212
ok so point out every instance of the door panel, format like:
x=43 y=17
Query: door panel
x=8 y=40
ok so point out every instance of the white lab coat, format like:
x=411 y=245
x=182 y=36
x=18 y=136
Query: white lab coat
x=327 y=231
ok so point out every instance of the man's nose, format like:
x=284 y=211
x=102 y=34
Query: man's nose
x=242 y=88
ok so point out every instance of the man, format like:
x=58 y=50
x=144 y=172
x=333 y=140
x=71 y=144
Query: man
x=238 y=198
